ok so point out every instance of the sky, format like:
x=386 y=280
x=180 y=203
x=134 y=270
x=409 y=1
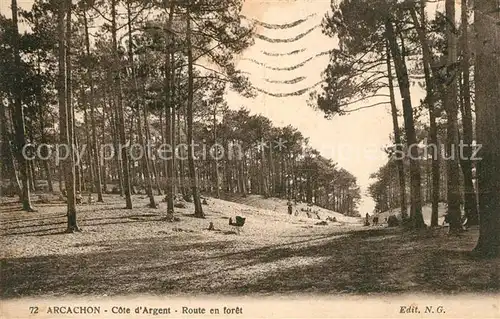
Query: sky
x=355 y=141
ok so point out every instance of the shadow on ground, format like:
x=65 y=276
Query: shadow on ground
x=374 y=261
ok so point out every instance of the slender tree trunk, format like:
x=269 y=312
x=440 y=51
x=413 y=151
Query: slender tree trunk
x=216 y=155
x=87 y=137
x=152 y=160
x=404 y=87
x=65 y=121
x=169 y=136
x=19 y=125
x=32 y=175
x=116 y=140
x=69 y=102
x=487 y=79
x=470 y=205
x=95 y=148
x=180 y=171
x=78 y=169
x=119 y=106
x=198 y=209
x=397 y=140
x=9 y=153
x=103 y=141
x=172 y=121
x=430 y=98
x=136 y=104
x=163 y=139
x=451 y=107
x=44 y=151
x=145 y=161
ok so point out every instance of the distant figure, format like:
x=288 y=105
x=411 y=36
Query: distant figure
x=367 y=219
x=78 y=198
x=290 y=208
x=375 y=221
x=211 y=226
x=240 y=221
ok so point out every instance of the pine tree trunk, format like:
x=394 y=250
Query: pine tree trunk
x=430 y=87
x=215 y=155
x=9 y=153
x=65 y=118
x=78 y=173
x=470 y=205
x=137 y=105
x=94 y=147
x=180 y=171
x=44 y=151
x=116 y=141
x=87 y=136
x=32 y=175
x=152 y=160
x=397 y=140
x=119 y=106
x=69 y=103
x=451 y=107
x=145 y=159
x=487 y=79
x=103 y=141
x=169 y=106
x=172 y=122
x=19 y=125
x=264 y=188
x=404 y=87
x=198 y=209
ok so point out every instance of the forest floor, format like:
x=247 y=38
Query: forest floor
x=128 y=252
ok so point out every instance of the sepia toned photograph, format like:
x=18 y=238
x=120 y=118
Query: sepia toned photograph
x=237 y=158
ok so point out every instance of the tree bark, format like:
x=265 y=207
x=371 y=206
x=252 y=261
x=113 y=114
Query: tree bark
x=95 y=148
x=9 y=153
x=430 y=98
x=87 y=137
x=470 y=205
x=69 y=103
x=397 y=139
x=65 y=121
x=404 y=87
x=198 y=209
x=175 y=174
x=116 y=141
x=137 y=105
x=487 y=78
x=119 y=100
x=19 y=125
x=451 y=108
x=152 y=161
x=216 y=155
x=169 y=119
